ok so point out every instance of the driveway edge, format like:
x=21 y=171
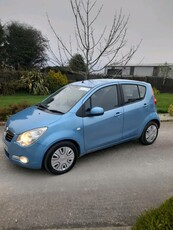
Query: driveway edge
x=101 y=228
x=165 y=117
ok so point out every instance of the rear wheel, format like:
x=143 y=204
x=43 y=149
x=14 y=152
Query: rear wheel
x=61 y=157
x=149 y=134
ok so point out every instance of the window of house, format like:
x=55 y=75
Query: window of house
x=117 y=72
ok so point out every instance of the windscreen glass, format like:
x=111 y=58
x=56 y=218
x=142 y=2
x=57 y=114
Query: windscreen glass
x=64 y=99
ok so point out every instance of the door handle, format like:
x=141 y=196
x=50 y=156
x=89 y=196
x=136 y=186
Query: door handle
x=145 y=105
x=117 y=114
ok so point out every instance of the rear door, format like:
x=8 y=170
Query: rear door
x=135 y=109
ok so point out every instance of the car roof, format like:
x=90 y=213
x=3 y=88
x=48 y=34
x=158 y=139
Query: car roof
x=99 y=82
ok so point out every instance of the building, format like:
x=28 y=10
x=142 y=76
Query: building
x=144 y=70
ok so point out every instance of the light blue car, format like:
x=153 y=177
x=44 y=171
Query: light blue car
x=79 y=118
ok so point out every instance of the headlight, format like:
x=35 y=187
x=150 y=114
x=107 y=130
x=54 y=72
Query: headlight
x=29 y=137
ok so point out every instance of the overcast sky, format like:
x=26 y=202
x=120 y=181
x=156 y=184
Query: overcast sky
x=150 y=21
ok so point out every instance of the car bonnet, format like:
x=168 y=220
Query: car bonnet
x=31 y=118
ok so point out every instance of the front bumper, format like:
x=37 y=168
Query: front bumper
x=29 y=157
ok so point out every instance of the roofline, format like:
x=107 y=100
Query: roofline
x=141 y=65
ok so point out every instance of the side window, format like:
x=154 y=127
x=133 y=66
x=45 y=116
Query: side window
x=142 y=90
x=107 y=98
x=131 y=93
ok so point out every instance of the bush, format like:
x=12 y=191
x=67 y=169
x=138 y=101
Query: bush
x=56 y=80
x=170 y=110
x=4 y=114
x=10 y=82
x=35 y=82
x=11 y=87
x=12 y=109
x=7 y=88
x=156 y=91
x=157 y=219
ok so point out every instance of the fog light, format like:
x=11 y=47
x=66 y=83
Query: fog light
x=23 y=159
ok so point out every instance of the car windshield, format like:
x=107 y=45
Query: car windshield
x=64 y=99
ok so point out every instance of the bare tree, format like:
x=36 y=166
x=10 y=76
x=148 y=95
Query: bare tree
x=108 y=45
x=164 y=71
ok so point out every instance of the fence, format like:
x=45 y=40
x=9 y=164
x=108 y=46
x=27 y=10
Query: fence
x=160 y=83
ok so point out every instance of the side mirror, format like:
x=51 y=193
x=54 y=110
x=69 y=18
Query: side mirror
x=96 y=111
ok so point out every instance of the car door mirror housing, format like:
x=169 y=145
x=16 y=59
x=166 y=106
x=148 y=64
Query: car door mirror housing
x=96 y=111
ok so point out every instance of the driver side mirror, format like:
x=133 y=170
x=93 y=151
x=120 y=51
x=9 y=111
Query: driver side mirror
x=96 y=111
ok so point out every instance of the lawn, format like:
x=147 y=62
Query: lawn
x=5 y=101
x=163 y=100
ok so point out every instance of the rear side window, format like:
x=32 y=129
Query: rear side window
x=142 y=91
x=133 y=93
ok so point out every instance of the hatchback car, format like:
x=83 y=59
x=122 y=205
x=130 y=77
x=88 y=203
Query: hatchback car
x=79 y=118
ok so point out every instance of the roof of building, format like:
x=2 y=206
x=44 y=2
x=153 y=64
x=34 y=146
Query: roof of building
x=142 y=65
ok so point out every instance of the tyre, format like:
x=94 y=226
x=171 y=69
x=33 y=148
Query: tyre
x=149 y=133
x=61 y=157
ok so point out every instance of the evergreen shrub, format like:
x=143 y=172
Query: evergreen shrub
x=12 y=109
x=170 y=110
x=56 y=80
x=157 y=219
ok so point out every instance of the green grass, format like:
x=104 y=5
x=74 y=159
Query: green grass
x=163 y=102
x=160 y=218
x=5 y=101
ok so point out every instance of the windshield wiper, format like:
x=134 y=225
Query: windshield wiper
x=41 y=106
x=55 y=111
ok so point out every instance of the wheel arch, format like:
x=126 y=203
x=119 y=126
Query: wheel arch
x=156 y=121
x=64 y=140
x=146 y=122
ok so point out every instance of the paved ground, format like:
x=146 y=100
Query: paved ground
x=165 y=117
x=106 y=188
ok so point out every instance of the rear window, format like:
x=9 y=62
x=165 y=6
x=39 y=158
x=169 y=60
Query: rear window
x=133 y=93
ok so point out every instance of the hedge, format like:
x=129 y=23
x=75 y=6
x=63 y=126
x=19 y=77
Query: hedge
x=156 y=219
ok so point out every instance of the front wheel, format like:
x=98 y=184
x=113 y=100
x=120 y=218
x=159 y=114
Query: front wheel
x=61 y=157
x=149 y=134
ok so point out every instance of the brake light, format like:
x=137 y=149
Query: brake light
x=155 y=100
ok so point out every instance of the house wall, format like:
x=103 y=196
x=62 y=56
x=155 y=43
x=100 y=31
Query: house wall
x=140 y=71
x=143 y=71
x=165 y=71
x=170 y=74
x=126 y=71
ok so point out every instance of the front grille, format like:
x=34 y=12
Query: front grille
x=9 y=135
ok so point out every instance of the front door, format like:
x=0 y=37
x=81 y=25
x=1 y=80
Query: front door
x=103 y=130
